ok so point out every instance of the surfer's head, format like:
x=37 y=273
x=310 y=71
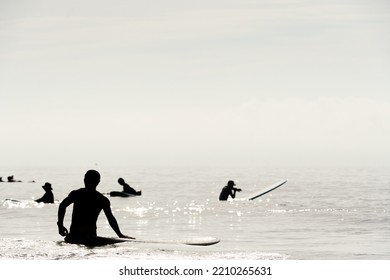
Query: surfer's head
x=231 y=184
x=47 y=187
x=121 y=181
x=91 y=179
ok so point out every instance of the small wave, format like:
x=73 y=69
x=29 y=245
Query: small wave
x=12 y=203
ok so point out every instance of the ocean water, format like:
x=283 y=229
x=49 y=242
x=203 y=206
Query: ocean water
x=320 y=214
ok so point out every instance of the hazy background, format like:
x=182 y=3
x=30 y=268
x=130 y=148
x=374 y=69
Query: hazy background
x=205 y=82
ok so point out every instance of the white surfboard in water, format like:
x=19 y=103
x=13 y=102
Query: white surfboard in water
x=264 y=191
x=195 y=241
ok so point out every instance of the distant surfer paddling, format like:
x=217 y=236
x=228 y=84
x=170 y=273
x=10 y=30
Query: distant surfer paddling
x=12 y=180
x=127 y=188
x=87 y=205
x=48 y=197
x=229 y=190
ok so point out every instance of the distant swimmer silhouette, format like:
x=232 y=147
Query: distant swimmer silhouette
x=228 y=190
x=12 y=180
x=127 y=188
x=87 y=205
x=48 y=197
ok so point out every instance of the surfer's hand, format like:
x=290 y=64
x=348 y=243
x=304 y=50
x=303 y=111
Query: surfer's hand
x=238 y=190
x=62 y=231
x=125 y=236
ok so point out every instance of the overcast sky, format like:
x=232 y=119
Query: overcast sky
x=202 y=82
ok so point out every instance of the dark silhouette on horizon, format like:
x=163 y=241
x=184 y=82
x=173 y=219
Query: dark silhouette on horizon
x=12 y=180
x=127 y=188
x=228 y=190
x=87 y=205
x=48 y=197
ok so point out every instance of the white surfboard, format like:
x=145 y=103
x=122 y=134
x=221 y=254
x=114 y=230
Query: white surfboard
x=196 y=241
x=266 y=190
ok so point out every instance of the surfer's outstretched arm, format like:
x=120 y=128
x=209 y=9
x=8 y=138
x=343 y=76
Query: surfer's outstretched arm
x=113 y=223
x=61 y=214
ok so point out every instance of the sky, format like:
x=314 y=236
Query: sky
x=205 y=82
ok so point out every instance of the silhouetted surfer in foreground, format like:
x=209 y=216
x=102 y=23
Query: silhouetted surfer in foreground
x=229 y=190
x=48 y=197
x=127 y=188
x=87 y=204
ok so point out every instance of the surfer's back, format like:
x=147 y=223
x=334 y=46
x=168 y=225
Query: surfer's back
x=87 y=205
x=224 y=193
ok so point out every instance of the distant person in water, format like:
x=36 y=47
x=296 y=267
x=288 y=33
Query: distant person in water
x=229 y=189
x=127 y=188
x=12 y=180
x=87 y=205
x=48 y=197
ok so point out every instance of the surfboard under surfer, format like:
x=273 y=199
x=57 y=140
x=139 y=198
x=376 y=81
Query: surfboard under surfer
x=87 y=205
x=127 y=188
x=229 y=190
